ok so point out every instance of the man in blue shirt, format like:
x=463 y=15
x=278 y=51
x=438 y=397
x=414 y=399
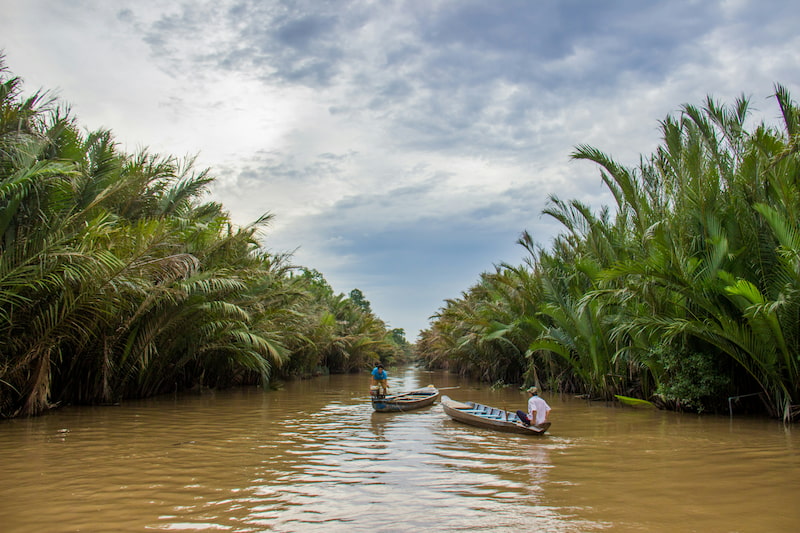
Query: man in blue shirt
x=379 y=380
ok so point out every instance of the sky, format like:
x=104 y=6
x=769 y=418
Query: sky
x=401 y=146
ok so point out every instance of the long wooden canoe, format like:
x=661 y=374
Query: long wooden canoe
x=483 y=416
x=405 y=401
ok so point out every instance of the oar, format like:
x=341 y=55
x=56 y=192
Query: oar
x=448 y=388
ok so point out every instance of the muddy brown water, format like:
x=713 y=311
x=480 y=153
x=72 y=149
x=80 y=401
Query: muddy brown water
x=314 y=456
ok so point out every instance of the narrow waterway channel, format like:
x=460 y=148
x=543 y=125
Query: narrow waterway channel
x=313 y=456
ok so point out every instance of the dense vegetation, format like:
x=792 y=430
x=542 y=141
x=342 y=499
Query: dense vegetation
x=686 y=292
x=117 y=280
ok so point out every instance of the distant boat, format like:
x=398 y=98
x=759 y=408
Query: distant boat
x=405 y=401
x=483 y=416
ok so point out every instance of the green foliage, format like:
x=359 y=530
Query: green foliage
x=316 y=282
x=357 y=297
x=118 y=280
x=398 y=335
x=692 y=286
x=691 y=380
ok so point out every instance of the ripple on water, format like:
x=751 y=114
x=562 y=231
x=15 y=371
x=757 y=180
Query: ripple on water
x=316 y=457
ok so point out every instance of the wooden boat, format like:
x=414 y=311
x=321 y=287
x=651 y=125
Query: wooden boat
x=405 y=401
x=483 y=416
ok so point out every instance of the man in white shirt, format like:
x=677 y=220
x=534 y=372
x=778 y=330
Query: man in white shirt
x=538 y=410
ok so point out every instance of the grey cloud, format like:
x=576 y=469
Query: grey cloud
x=455 y=53
x=521 y=43
x=126 y=15
x=268 y=40
x=454 y=50
x=392 y=93
x=278 y=167
x=301 y=33
x=394 y=204
x=188 y=23
x=398 y=55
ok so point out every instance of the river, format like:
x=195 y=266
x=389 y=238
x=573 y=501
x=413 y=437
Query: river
x=313 y=456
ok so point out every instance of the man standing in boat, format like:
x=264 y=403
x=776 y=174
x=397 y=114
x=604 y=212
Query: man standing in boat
x=538 y=410
x=380 y=380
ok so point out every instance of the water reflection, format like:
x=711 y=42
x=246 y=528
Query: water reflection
x=315 y=456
